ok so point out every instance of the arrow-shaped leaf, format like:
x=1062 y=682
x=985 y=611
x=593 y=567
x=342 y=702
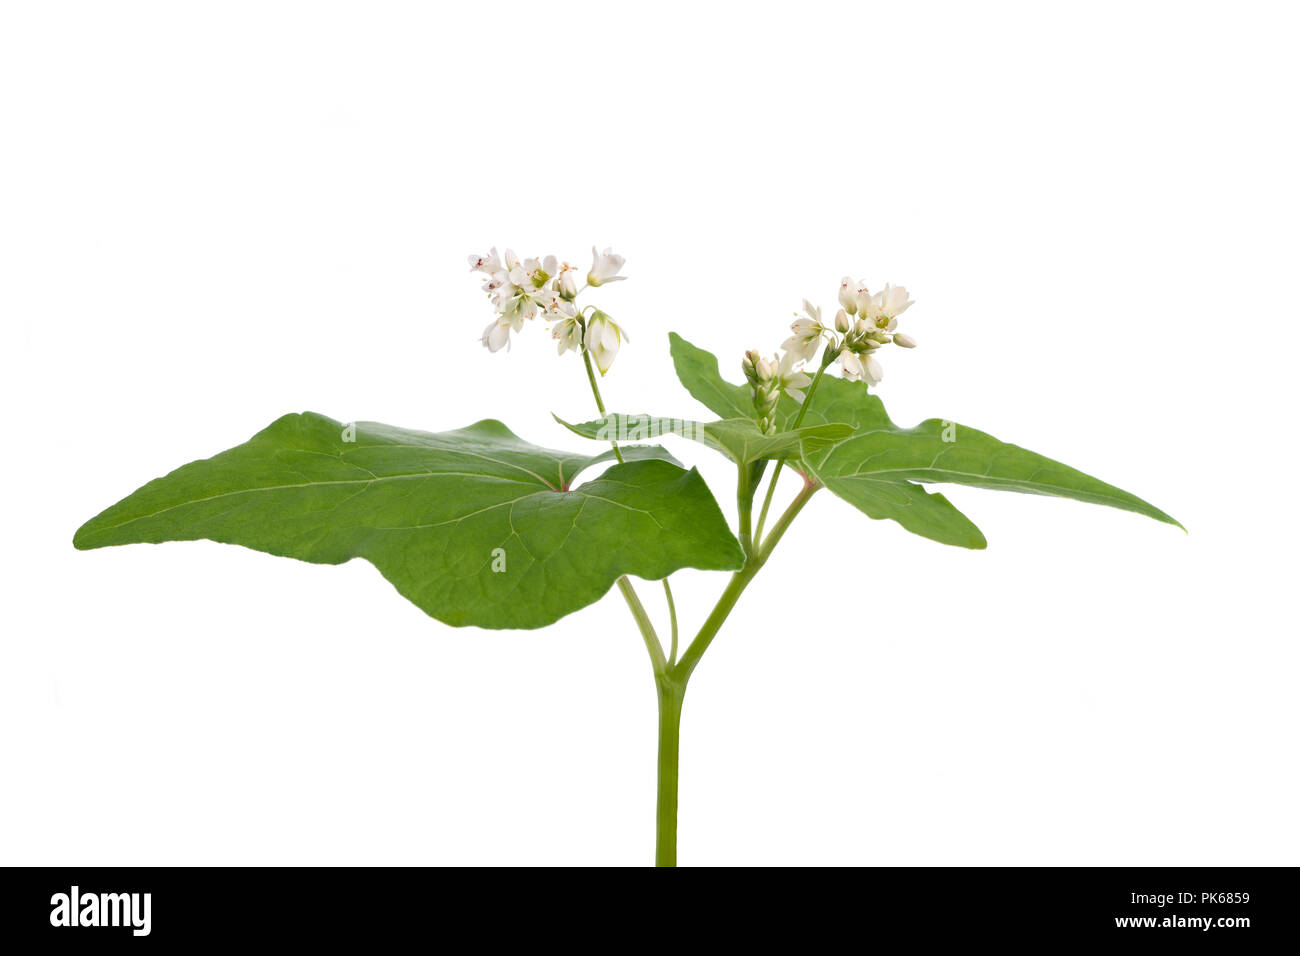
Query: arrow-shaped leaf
x=474 y=526
x=943 y=451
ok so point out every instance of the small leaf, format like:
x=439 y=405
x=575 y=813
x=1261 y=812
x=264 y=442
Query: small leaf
x=738 y=439
x=474 y=526
x=698 y=371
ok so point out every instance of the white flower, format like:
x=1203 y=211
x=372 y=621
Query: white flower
x=884 y=308
x=604 y=267
x=496 y=280
x=559 y=308
x=497 y=334
x=528 y=273
x=862 y=300
x=849 y=295
x=850 y=365
x=567 y=333
x=603 y=339
x=803 y=344
x=791 y=380
x=807 y=333
x=518 y=301
x=872 y=373
x=864 y=366
x=489 y=263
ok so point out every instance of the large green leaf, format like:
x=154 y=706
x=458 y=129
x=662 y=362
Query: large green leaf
x=438 y=514
x=738 y=438
x=875 y=469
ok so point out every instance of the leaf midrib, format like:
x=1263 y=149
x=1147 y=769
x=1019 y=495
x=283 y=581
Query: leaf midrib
x=320 y=484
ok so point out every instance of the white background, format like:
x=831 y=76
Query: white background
x=213 y=214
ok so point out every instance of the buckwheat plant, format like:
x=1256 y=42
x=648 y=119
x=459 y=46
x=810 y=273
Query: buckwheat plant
x=476 y=526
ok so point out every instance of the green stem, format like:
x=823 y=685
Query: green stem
x=600 y=402
x=672 y=616
x=767 y=499
x=745 y=505
x=671 y=674
x=783 y=523
x=644 y=624
x=670 y=694
x=739 y=581
x=670 y=684
x=828 y=357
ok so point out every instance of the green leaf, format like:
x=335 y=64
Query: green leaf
x=876 y=469
x=942 y=451
x=738 y=439
x=438 y=514
x=698 y=371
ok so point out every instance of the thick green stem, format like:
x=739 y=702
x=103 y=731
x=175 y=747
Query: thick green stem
x=670 y=695
x=671 y=683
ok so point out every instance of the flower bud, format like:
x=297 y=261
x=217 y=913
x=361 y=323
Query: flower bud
x=567 y=285
x=842 y=323
x=603 y=339
x=906 y=341
x=765 y=369
x=748 y=366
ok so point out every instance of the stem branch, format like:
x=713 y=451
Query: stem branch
x=736 y=586
x=828 y=356
x=672 y=616
x=643 y=622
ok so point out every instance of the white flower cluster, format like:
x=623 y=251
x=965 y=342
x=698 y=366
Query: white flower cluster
x=864 y=323
x=520 y=290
